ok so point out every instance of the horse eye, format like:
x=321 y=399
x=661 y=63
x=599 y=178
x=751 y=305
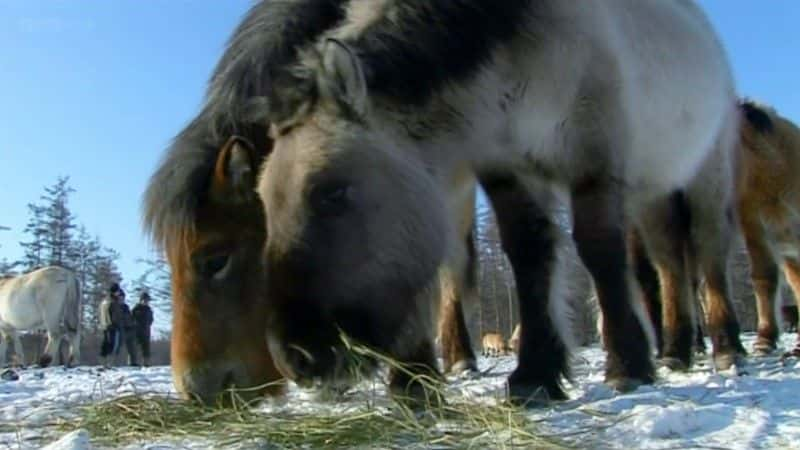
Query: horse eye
x=214 y=266
x=333 y=200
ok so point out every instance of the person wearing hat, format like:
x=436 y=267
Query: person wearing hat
x=143 y=320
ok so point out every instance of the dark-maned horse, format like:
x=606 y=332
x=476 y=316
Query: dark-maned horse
x=200 y=210
x=536 y=97
x=769 y=212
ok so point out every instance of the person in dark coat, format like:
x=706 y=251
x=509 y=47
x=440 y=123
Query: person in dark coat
x=128 y=332
x=143 y=320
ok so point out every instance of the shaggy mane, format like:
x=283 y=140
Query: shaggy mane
x=268 y=36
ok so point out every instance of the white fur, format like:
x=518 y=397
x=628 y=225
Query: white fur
x=37 y=300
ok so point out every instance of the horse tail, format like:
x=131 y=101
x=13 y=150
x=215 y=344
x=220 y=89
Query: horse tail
x=72 y=306
x=757 y=117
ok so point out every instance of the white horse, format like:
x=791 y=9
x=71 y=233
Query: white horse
x=48 y=298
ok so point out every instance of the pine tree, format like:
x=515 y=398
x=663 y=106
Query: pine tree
x=50 y=228
x=36 y=228
x=155 y=280
x=60 y=222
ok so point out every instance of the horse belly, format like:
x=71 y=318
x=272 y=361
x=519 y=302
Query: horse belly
x=20 y=312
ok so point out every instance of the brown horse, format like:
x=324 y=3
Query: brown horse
x=198 y=208
x=218 y=315
x=768 y=211
x=493 y=345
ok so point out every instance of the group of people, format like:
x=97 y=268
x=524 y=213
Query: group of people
x=125 y=327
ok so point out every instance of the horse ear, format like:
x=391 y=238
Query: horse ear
x=234 y=172
x=343 y=77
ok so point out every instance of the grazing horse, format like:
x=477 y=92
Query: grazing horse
x=768 y=212
x=493 y=345
x=48 y=298
x=199 y=209
x=537 y=98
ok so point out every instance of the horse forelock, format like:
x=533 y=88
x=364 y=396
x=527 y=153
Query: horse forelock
x=178 y=187
x=267 y=39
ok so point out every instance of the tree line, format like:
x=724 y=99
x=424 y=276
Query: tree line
x=54 y=236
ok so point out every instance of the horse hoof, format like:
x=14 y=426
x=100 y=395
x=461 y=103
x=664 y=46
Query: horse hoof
x=724 y=361
x=45 y=360
x=674 y=364
x=624 y=384
x=9 y=375
x=468 y=366
x=793 y=353
x=533 y=395
x=764 y=349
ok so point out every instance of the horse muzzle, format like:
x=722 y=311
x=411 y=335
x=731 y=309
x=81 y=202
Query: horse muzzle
x=213 y=383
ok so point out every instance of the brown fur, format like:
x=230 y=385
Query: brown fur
x=217 y=323
x=493 y=345
x=769 y=204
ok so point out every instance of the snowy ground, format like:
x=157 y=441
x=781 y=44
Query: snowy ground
x=700 y=409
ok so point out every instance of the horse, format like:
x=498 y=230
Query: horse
x=199 y=210
x=49 y=298
x=768 y=212
x=493 y=345
x=537 y=98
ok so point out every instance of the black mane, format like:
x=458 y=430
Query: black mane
x=426 y=44
x=414 y=49
x=757 y=117
x=268 y=36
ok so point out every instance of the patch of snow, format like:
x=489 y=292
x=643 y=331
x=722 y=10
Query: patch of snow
x=76 y=440
x=696 y=409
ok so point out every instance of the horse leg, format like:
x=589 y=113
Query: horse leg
x=713 y=231
x=647 y=276
x=529 y=238
x=53 y=343
x=765 y=278
x=4 y=338
x=414 y=383
x=19 y=352
x=599 y=233
x=699 y=347
x=74 y=348
x=791 y=268
x=664 y=225
x=457 y=353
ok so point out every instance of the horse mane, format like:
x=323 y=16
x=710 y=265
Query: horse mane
x=758 y=115
x=268 y=36
x=411 y=49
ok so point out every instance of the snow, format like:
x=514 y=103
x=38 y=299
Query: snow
x=700 y=409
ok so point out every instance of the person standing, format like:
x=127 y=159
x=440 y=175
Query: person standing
x=143 y=320
x=128 y=337
x=110 y=315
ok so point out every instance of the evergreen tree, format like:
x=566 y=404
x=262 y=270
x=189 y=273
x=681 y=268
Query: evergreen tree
x=50 y=228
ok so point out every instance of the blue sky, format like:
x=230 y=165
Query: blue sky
x=95 y=89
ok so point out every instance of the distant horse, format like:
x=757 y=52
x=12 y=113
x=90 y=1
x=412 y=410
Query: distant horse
x=48 y=298
x=199 y=207
x=769 y=212
x=493 y=345
x=538 y=98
